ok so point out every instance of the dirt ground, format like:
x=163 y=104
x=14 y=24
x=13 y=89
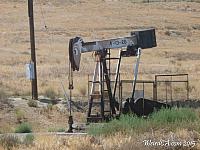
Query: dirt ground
x=177 y=28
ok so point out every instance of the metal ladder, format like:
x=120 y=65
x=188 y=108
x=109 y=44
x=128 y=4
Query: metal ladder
x=104 y=97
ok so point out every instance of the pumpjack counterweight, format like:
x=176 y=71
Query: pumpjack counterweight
x=133 y=44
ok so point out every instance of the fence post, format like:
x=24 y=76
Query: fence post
x=155 y=89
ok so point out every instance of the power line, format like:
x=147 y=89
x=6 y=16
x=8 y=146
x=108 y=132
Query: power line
x=51 y=34
x=46 y=27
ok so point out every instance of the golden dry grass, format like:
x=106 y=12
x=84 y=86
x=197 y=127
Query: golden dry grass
x=95 y=20
x=118 y=141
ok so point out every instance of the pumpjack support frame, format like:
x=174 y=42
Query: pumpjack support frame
x=103 y=62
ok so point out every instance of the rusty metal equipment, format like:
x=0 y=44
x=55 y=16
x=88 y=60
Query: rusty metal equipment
x=130 y=46
x=170 y=85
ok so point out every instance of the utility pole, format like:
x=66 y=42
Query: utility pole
x=32 y=42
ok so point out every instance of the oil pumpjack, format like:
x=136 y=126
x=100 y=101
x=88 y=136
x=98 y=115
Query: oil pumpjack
x=104 y=97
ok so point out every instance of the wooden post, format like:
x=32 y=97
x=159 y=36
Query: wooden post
x=32 y=42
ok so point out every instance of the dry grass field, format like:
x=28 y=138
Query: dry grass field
x=120 y=142
x=56 y=21
x=117 y=142
x=177 y=27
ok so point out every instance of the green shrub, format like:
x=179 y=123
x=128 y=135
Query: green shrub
x=175 y=115
x=20 y=115
x=50 y=107
x=169 y=119
x=56 y=130
x=50 y=93
x=61 y=130
x=32 y=103
x=23 y=128
x=29 y=139
x=9 y=141
x=126 y=124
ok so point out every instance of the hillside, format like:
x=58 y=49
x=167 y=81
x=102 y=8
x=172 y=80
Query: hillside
x=177 y=29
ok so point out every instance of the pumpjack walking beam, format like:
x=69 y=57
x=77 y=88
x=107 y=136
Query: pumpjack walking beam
x=138 y=39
